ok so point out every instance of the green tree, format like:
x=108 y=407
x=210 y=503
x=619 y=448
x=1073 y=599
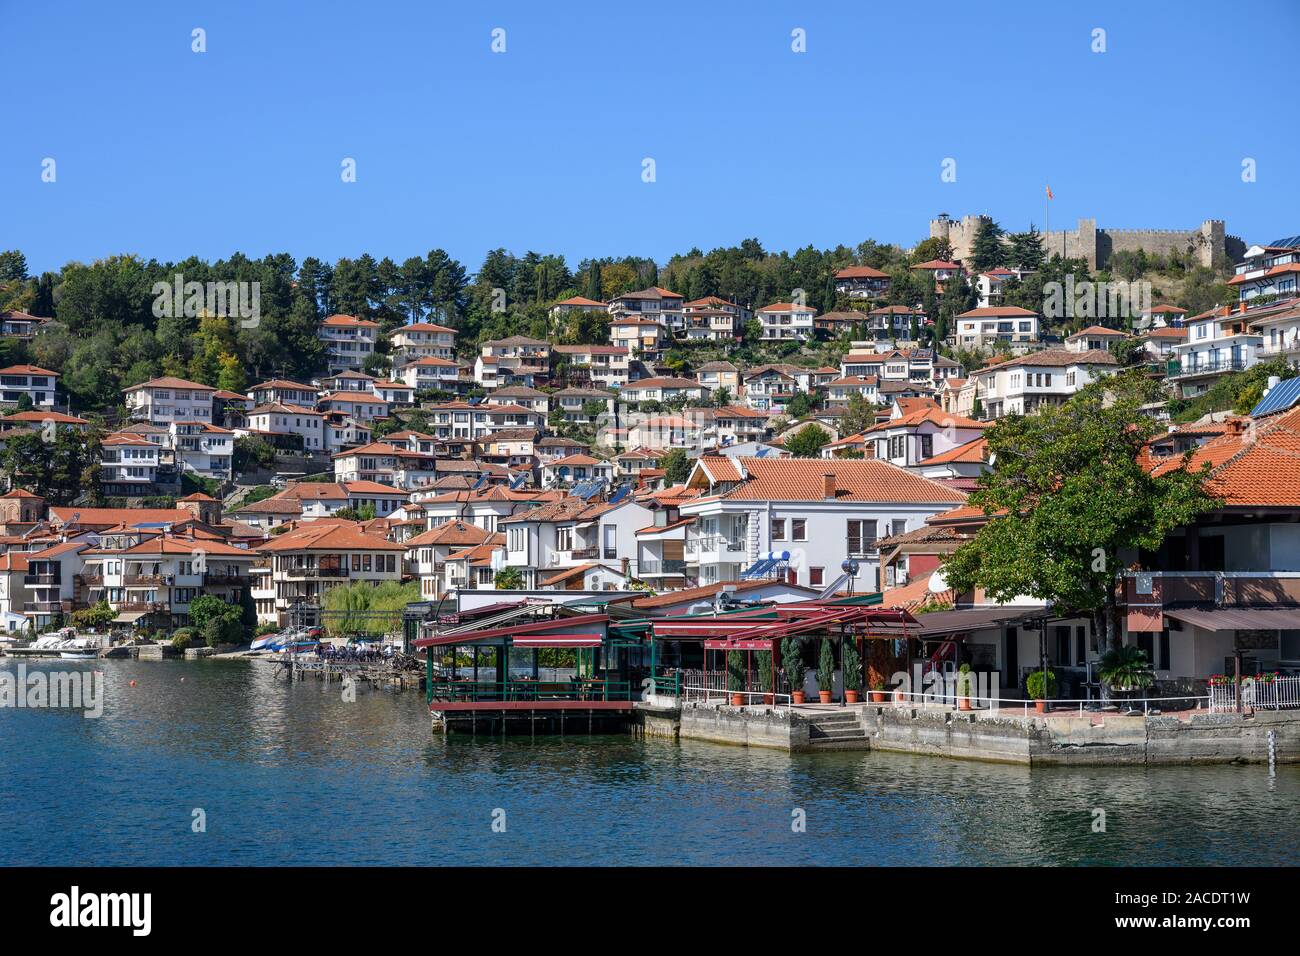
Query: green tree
x=807 y=442
x=677 y=466
x=1067 y=496
x=859 y=415
x=987 y=250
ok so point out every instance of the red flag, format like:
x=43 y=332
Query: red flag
x=1049 y=193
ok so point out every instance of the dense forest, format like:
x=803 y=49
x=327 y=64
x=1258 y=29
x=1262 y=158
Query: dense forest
x=104 y=335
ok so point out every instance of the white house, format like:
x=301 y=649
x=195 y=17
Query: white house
x=1050 y=377
x=162 y=401
x=37 y=383
x=348 y=341
x=786 y=322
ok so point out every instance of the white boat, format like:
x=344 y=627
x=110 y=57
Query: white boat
x=79 y=649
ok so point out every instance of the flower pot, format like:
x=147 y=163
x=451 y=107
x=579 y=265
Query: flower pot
x=769 y=699
x=796 y=697
x=737 y=700
x=1040 y=706
x=878 y=696
x=824 y=696
x=851 y=696
x=963 y=703
x=900 y=697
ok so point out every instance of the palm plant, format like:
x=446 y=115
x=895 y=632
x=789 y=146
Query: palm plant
x=1126 y=668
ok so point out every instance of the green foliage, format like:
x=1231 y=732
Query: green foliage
x=735 y=670
x=96 y=617
x=851 y=664
x=987 y=250
x=763 y=661
x=351 y=601
x=859 y=415
x=1236 y=391
x=365 y=513
x=1126 y=668
x=964 y=681
x=508 y=579
x=792 y=662
x=807 y=442
x=182 y=639
x=60 y=471
x=1067 y=495
x=826 y=666
x=677 y=465
x=1034 y=685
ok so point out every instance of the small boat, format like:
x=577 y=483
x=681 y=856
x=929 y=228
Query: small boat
x=83 y=654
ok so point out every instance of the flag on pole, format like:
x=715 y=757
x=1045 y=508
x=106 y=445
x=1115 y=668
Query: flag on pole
x=1049 y=193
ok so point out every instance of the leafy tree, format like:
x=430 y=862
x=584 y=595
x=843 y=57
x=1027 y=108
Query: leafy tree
x=807 y=442
x=826 y=666
x=1067 y=496
x=1025 y=249
x=508 y=579
x=859 y=415
x=100 y=615
x=677 y=466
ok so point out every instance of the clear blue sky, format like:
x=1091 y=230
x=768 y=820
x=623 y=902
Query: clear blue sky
x=166 y=153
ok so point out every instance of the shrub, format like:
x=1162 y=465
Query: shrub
x=764 y=661
x=182 y=639
x=826 y=666
x=964 y=681
x=1034 y=685
x=851 y=663
x=792 y=662
x=735 y=670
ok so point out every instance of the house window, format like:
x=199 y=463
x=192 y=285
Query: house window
x=861 y=536
x=778 y=529
x=816 y=576
x=927 y=446
x=798 y=529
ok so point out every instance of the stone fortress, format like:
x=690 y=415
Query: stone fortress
x=1209 y=242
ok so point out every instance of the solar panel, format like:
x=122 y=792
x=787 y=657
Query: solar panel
x=758 y=567
x=1290 y=242
x=479 y=482
x=1280 y=397
x=623 y=492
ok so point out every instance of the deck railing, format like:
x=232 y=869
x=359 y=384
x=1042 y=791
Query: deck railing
x=1279 y=693
x=525 y=690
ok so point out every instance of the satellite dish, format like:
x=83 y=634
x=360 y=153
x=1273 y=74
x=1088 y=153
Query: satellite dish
x=937 y=583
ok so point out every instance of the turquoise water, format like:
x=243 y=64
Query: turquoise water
x=293 y=774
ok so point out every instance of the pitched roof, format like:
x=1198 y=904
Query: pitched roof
x=704 y=591
x=801 y=479
x=1255 y=466
x=974 y=451
x=168 y=381
x=459 y=533
x=861 y=272
x=330 y=536
x=1055 y=358
x=994 y=311
x=348 y=321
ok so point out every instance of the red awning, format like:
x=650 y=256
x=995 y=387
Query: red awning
x=558 y=640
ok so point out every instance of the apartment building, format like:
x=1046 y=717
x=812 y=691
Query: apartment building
x=1279 y=324
x=386 y=464
x=661 y=389
x=990 y=286
x=284 y=392
x=364 y=407
x=431 y=373
x=278 y=418
x=162 y=401
x=715 y=375
x=427 y=553
x=1003 y=326
x=532 y=399
x=422 y=340
x=642 y=337
x=861 y=282
x=576 y=303
x=299 y=566
x=37 y=383
x=150 y=577
x=786 y=322
x=1272 y=270
x=203 y=448
x=394 y=393
x=799 y=519
x=1021 y=385
x=769 y=387
x=571 y=533
x=1218 y=342
x=584 y=406
x=515 y=360
x=348 y=340
x=1093 y=338
x=653 y=304
x=599 y=366
x=917 y=430
x=713 y=319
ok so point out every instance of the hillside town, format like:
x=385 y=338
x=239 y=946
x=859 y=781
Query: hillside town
x=691 y=448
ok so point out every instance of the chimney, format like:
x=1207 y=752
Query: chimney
x=828 y=485
x=1241 y=306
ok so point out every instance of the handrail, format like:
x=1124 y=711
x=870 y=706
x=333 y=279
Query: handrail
x=942 y=699
x=696 y=692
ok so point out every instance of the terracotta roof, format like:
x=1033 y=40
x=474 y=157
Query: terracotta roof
x=937 y=264
x=422 y=327
x=993 y=311
x=665 y=382
x=109 y=517
x=27 y=370
x=580 y=300
x=1096 y=330
x=915 y=593
x=1057 y=358
x=57 y=417
x=330 y=536
x=458 y=533
x=685 y=595
x=1250 y=467
x=171 y=382
x=973 y=452
x=801 y=479
x=931 y=413
x=861 y=272
x=348 y=321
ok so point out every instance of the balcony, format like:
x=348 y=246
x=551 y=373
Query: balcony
x=716 y=547
x=1177 y=370
x=317 y=572
x=667 y=568
x=43 y=606
x=227 y=580
x=41 y=579
x=145 y=581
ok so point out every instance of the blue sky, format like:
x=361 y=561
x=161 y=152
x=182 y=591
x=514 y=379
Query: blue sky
x=166 y=153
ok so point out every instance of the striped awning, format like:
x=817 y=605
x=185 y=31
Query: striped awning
x=557 y=640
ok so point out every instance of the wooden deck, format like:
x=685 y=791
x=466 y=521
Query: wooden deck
x=459 y=706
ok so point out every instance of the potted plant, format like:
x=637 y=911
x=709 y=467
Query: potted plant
x=792 y=662
x=878 y=695
x=736 y=677
x=964 y=684
x=825 y=672
x=1125 y=669
x=765 y=674
x=1040 y=690
x=851 y=666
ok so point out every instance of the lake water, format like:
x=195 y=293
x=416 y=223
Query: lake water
x=292 y=774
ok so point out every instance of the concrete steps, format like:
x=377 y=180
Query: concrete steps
x=837 y=731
